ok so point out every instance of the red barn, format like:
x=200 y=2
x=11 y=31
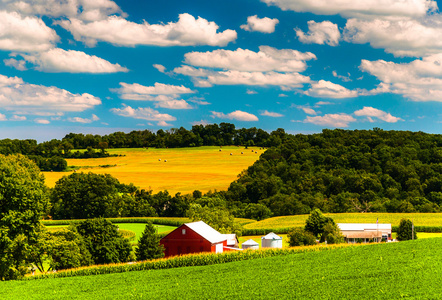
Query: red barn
x=193 y=238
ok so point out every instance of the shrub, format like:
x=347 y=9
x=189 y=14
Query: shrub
x=300 y=237
x=404 y=231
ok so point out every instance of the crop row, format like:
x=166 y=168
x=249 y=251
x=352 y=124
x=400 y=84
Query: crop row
x=199 y=259
x=281 y=230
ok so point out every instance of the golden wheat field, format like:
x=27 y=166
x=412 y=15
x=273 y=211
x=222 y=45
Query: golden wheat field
x=176 y=170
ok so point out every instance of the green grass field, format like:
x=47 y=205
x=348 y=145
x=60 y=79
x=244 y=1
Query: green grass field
x=138 y=228
x=186 y=169
x=378 y=271
x=420 y=219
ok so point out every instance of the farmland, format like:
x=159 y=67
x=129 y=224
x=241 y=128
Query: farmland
x=377 y=271
x=186 y=169
x=420 y=219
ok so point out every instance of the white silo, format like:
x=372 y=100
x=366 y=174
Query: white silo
x=250 y=244
x=271 y=241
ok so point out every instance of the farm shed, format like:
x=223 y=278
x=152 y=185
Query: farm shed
x=362 y=232
x=232 y=240
x=250 y=244
x=271 y=241
x=193 y=238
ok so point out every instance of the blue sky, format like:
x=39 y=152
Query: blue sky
x=97 y=67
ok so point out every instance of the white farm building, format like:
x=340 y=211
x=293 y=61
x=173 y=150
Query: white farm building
x=271 y=241
x=362 y=232
x=250 y=244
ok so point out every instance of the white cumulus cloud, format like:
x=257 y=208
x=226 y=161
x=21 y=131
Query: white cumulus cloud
x=266 y=59
x=17 y=118
x=84 y=120
x=42 y=121
x=26 y=98
x=58 y=60
x=163 y=94
x=236 y=115
x=358 y=8
x=83 y=9
x=401 y=37
x=377 y=113
x=327 y=89
x=25 y=34
x=143 y=113
x=264 y=25
x=320 y=33
x=331 y=120
x=188 y=31
x=419 y=80
x=271 y=114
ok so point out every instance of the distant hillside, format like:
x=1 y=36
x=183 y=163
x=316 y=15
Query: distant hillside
x=346 y=171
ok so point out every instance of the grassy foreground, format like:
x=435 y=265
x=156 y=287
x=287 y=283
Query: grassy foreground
x=420 y=219
x=186 y=169
x=377 y=271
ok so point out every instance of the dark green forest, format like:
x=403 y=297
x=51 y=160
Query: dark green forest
x=345 y=171
x=334 y=171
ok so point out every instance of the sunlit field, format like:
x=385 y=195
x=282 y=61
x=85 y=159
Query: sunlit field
x=419 y=219
x=176 y=170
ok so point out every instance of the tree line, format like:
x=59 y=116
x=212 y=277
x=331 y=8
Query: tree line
x=345 y=171
x=51 y=155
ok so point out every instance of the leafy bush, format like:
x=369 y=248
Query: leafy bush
x=300 y=237
x=104 y=242
x=405 y=232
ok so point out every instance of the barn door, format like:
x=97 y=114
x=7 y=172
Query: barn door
x=219 y=248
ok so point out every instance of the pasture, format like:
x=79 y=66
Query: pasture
x=419 y=219
x=377 y=271
x=186 y=169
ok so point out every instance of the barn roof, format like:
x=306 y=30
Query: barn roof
x=363 y=235
x=271 y=236
x=206 y=232
x=363 y=226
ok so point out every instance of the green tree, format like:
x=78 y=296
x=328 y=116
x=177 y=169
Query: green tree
x=217 y=217
x=257 y=211
x=104 y=242
x=332 y=234
x=404 y=231
x=23 y=202
x=88 y=195
x=316 y=221
x=58 y=250
x=149 y=244
x=300 y=237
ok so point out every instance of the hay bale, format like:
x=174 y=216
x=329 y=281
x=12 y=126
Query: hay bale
x=159 y=159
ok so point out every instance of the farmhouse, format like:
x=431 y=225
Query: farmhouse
x=360 y=232
x=196 y=237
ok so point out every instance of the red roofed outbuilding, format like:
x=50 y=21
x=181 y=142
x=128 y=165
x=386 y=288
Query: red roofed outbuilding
x=193 y=238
